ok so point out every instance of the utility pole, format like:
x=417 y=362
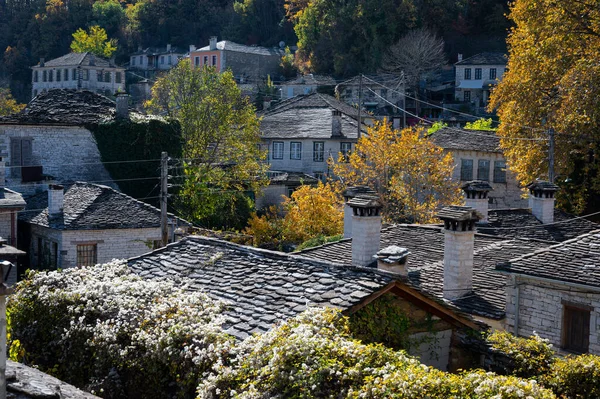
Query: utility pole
x=359 y=102
x=551 y=155
x=164 y=175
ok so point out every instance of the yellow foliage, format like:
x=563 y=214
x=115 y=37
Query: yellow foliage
x=412 y=175
x=8 y=105
x=94 y=41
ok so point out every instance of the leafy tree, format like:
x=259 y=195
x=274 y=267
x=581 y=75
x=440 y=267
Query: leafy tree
x=109 y=15
x=221 y=139
x=412 y=175
x=481 y=124
x=94 y=41
x=288 y=67
x=8 y=105
x=552 y=81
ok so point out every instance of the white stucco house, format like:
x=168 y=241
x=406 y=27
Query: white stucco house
x=476 y=76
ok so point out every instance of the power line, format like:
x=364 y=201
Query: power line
x=89 y=163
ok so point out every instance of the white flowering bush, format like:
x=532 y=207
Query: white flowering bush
x=106 y=329
x=314 y=356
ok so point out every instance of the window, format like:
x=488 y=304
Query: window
x=44 y=76
x=467 y=73
x=87 y=254
x=197 y=61
x=492 y=73
x=466 y=169
x=467 y=95
x=319 y=175
x=86 y=74
x=20 y=154
x=576 y=328
x=141 y=60
x=499 y=172
x=99 y=76
x=483 y=169
x=58 y=75
x=295 y=150
x=214 y=60
x=169 y=60
x=35 y=76
x=477 y=73
x=162 y=59
x=278 y=150
x=318 y=151
x=345 y=149
x=66 y=74
x=50 y=76
x=205 y=60
x=107 y=77
x=74 y=74
x=117 y=77
x=132 y=61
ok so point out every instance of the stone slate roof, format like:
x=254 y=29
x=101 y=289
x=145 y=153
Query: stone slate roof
x=25 y=382
x=241 y=48
x=484 y=59
x=426 y=263
x=521 y=223
x=574 y=261
x=90 y=206
x=11 y=199
x=454 y=138
x=159 y=51
x=308 y=117
x=262 y=287
x=77 y=59
x=311 y=79
x=65 y=107
x=279 y=178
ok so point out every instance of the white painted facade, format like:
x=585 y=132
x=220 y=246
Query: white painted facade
x=476 y=91
x=81 y=77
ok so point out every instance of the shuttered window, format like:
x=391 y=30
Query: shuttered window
x=20 y=154
x=483 y=169
x=466 y=169
x=87 y=255
x=576 y=329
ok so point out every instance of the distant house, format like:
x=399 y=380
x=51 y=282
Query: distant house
x=247 y=63
x=11 y=203
x=305 y=84
x=476 y=76
x=80 y=71
x=302 y=133
x=88 y=224
x=282 y=184
x=148 y=61
x=477 y=156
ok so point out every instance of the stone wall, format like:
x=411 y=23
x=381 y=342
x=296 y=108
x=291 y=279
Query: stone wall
x=271 y=195
x=67 y=153
x=541 y=310
x=505 y=195
x=252 y=66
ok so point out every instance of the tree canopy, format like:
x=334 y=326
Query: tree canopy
x=94 y=41
x=412 y=175
x=553 y=81
x=221 y=142
x=8 y=105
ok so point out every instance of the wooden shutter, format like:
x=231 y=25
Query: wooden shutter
x=576 y=329
x=26 y=152
x=15 y=157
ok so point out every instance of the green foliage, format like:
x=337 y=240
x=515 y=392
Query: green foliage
x=435 y=127
x=288 y=67
x=318 y=240
x=8 y=105
x=94 y=41
x=530 y=356
x=109 y=14
x=575 y=377
x=481 y=124
x=224 y=211
x=142 y=140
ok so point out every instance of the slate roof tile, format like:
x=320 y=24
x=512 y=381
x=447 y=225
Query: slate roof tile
x=241 y=48
x=487 y=58
x=77 y=59
x=454 y=138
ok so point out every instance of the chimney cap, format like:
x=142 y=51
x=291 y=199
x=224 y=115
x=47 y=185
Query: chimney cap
x=55 y=187
x=392 y=254
x=543 y=186
x=477 y=186
x=456 y=213
x=365 y=201
x=353 y=191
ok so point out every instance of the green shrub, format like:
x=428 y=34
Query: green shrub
x=575 y=377
x=529 y=357
x=319 y=240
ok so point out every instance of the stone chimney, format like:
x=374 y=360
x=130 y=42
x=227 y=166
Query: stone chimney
x=111 y=61
x=192 y=48
x=459 y=242
x=139 y=47
x=541 y=200
x=336 y=123
x=92 y=60
x=55 y=200
x=476 y=197
x=348 y=194
x=123 y=105
x=42 y=62
x=366 y=228
x=213 y=43
x=393 y=259
x=168 y=48
x=460 y=57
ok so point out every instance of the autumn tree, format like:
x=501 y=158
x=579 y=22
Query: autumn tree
x=94 y=41
x=220 y=129
x=412 y=176
x=553 y=81
x=310 y=212
x=8 y=105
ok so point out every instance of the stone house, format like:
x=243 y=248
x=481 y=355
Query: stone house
x=476 y=76
x=249 y=64
x=305 y=84
x=302 y=133
x=88 y=224
x=80 y=71
x=148 y=61
x=282 y=184
x=477 y=156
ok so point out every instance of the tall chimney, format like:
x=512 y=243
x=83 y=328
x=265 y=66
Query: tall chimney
x=393 y=259
x=213 y=43
x=476 y=197
x=42 y=62
x=459 y=242
x=541 y=200
x=55 y=200
x=168 y=48
x=460 y=57
x=348 y=194
x=123 y=105
x=92 y=60
x=192 y=48
x=366 y=228
x=336 y=123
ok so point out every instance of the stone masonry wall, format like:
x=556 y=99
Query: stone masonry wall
x=541 y=310
x=458 y=263
x=366 y=232
x=66 y=153
x=252 y=66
